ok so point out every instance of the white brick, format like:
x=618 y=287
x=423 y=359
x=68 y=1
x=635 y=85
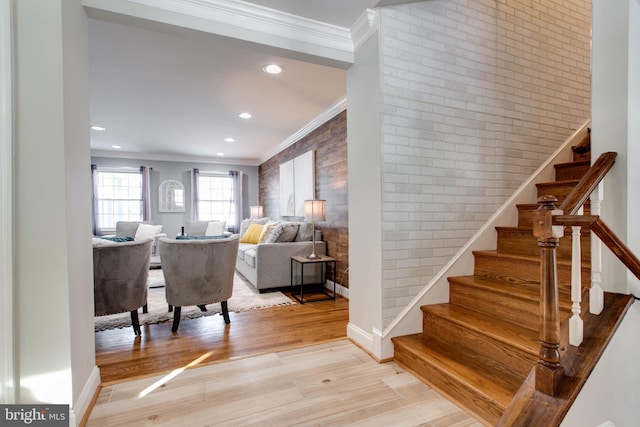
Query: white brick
x=474 y=99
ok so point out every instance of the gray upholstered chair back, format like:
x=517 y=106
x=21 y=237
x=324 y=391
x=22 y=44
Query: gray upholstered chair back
x=128 y=228
x=195 y=228
x=198 y=272
x=120 y=273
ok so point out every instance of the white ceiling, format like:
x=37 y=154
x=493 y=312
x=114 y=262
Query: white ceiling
x=176 y=94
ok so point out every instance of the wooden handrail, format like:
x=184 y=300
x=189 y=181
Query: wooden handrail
x=606 y=236
x=588 y=183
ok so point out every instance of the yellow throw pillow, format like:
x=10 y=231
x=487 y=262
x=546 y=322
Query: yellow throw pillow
x=252 y=234
x=266 y=229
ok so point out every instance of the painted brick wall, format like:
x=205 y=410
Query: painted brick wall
x=476 y=95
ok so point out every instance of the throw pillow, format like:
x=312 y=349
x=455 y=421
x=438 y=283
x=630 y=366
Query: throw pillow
x=305 y=232
x=244 y=225
x=268 y=227
x=215 y=228
x=288 y=234
x=253 y=234
x=147 y=231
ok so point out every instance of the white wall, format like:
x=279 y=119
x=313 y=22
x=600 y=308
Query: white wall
x=611 y=121
x=611 y=392
x=53 y=273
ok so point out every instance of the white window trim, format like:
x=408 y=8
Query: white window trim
x=118 y=169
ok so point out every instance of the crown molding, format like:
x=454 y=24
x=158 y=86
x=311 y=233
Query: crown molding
x=251 y=17
x=173 y=158
x=333 y=111
x=366 y=25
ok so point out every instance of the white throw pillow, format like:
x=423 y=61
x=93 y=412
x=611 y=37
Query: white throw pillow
x=147 y=231
x=215 y=228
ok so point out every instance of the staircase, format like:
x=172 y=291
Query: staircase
x=479 y=348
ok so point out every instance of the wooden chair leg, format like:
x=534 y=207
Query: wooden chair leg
x=145 y=308
x=170 y=308
x=135 y=322
x=176 y=318
x=202 y=307
x=225 y=312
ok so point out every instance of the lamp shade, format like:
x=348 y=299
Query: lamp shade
x=257 y=212
x=314 y=210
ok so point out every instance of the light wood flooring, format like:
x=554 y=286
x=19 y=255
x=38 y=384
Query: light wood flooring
x=275 y=367
x=330 y=384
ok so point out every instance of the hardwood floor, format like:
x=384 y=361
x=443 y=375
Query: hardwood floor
x=280 y=366
x=330 y=384
x=121 y=356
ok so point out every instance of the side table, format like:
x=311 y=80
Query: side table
x=324 y=261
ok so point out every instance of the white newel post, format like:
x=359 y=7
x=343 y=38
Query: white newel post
x=596 y=294
x=575 y=323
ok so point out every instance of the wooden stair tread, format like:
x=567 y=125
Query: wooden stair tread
x=497 y=389
x=494 y=253
x=559 y=183
x=573 y=164
x=524 y=290
x=517 y=336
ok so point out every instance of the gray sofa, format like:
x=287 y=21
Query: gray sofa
x=268 y=265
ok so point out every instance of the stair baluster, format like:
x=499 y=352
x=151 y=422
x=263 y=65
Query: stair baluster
x=596 y=294
x=575 y=323
x=549 y=372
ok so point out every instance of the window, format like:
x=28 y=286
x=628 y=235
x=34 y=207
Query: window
x=119 y=196
x=215 y=198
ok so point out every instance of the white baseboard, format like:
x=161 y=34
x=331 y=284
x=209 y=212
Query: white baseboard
x=360 y=336
x=340 y=290
x=86 y=397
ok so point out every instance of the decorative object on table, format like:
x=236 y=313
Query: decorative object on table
x=245 y=297
x=257 y=212
x=120 y=273
x=198 y=272
x=314 y=210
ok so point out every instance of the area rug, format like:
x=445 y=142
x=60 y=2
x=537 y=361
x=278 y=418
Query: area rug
x=245 y=297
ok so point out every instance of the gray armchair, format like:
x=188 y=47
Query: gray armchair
x=198 y=272
x=120 y=272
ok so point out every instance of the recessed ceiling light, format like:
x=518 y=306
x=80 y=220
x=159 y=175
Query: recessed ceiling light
x=98 y=128
x=116 y=147
x=220 y=154
x=244 y=115
x=272 y=69
x=230 y=140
